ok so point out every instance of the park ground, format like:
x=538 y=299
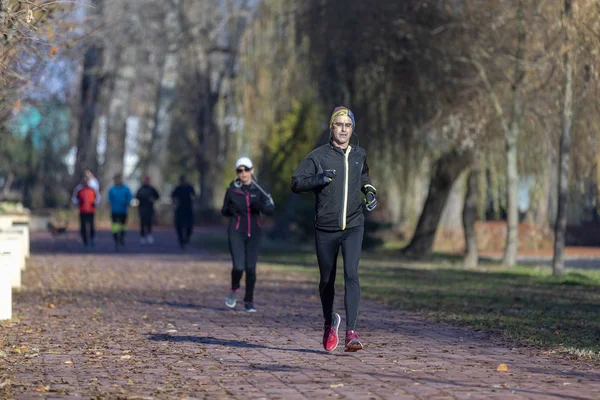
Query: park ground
x=150 y=323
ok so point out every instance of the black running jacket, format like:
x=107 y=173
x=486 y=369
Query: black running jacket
x=339 y=204
x=244 y=203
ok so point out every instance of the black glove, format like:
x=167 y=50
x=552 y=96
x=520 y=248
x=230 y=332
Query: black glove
x=235 y=209
x=327 y=176
x=255 y=205
x=269 y=202
x=371 y=201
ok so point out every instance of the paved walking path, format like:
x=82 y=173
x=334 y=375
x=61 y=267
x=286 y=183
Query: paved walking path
x=150 y=323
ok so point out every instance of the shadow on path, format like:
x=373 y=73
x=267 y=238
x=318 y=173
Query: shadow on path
x=225 y=342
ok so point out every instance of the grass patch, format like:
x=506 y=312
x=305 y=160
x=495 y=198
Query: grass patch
x=525 y=304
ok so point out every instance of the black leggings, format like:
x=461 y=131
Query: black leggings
x=119 y=226
x=184 y=223
x=86 y=220
x=146 y=216
x=244 y=255
x=328 y=245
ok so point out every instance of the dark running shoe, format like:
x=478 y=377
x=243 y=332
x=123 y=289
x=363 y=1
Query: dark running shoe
x=249 y=306
x=330 y=333
x=353 y=342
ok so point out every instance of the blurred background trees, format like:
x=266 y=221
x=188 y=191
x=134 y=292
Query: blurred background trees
x=449 y=95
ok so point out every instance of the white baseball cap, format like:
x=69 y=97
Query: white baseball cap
x=243 y=161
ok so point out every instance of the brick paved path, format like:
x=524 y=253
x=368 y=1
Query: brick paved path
x=151 y=323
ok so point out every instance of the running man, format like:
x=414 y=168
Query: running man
x=183 y=196
x=86 y=198
x=244 y=201
x=146 y=195
x=337 y=173
x=119 y=197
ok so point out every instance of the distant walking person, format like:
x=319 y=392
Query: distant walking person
x=183 y=196
x=119 y=197
x=92 y=182
x=86 y=198
x=337 y=173
x=244 y=201
x=146 y=195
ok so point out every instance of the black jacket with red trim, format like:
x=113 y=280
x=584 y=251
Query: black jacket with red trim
x=339 y=204
x=244 y=203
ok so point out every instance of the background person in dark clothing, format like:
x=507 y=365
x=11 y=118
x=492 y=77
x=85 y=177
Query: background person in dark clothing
x=183 y=196
x=146 y=196
x=337 y=173
x=244 y=201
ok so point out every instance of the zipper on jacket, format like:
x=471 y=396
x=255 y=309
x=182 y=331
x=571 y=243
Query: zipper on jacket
x=247 y=196
x=346 y=173
x=248 y=208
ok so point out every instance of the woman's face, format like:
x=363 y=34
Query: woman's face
x=244 y=174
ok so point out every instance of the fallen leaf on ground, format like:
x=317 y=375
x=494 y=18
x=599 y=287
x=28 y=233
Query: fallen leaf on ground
x=502 y=368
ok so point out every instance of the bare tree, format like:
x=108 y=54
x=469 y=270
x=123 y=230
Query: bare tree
x=91 y=84
x=469 y=215
x=558 y=266
x=166 y=95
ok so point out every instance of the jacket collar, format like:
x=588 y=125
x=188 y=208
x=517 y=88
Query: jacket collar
x=338 y=149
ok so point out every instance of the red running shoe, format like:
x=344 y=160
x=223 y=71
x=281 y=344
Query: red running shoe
x=353 y=342
x=330 y=334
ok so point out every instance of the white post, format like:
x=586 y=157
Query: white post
x=5 y=222
x=25 y=228
x=5 y=287
x=23 y=232
x=12 y=245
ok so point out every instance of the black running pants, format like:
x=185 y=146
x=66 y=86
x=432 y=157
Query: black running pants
x=244 y=256
x=146 y=216
x=86 y=224
x=328 y=245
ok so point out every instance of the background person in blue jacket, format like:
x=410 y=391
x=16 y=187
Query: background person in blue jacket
x=119 y=197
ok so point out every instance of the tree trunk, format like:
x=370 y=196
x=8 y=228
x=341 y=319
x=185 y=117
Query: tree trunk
x=91 y=84
x=210 y=143
x=448 y=168
x=118 y=111
x=8 y=184
x=558 y=262
x=29 y=180
x=90 y=88
x=512 y=171
x=542 y=211
x=166 y=97
x=469 y=216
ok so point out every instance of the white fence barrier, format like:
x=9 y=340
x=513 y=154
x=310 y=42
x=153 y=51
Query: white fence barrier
x=11 y=246
x=5 y=287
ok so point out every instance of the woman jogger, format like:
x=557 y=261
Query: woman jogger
x=244 y=201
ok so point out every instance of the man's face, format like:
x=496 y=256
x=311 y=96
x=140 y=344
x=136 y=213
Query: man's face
x=118 y=180
x=342 y=130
